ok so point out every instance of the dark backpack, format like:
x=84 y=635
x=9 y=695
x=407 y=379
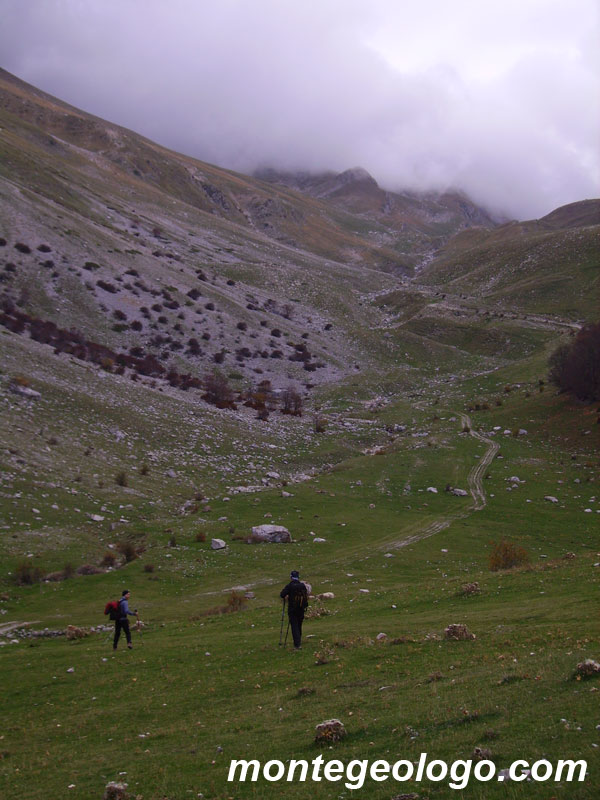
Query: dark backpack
x=112 y=609
x=298 y=598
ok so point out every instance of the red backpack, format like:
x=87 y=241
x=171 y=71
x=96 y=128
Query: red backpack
x=111 y=609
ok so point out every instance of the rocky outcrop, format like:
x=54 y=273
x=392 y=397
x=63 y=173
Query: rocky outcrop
x=332 y=730
x=272 y=534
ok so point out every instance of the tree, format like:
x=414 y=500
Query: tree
x=575 y=367
x=217 y=390
x=291 y=402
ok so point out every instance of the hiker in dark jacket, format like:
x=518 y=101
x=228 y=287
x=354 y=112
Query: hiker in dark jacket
x=297 y=600
x=122 y=623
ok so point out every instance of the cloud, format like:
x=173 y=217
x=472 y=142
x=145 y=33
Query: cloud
x=495 y=98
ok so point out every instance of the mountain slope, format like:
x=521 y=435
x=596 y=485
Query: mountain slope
x=414 y=225
x=551 y=265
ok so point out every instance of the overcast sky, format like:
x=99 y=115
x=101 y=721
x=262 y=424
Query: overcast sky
x=497 y=97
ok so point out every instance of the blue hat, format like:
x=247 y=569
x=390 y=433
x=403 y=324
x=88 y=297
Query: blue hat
x=295 y=575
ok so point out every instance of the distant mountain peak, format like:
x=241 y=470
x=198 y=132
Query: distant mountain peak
x=356 y=175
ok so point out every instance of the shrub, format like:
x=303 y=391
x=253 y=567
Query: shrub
x=121 y=478
x=144 y=469
x=236 y=601
x=507 y=555
x=148 y=567
x=109 y=559
x=320 y=424
x=200 y=536
x=26 y=574
x=217 y=390
x=127 y=550
x=291 y=402
x=88 y=569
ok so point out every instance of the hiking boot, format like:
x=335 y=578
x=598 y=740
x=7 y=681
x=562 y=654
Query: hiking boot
x=130 y=647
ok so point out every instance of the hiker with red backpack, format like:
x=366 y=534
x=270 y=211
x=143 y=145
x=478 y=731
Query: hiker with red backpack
x=297 y=600
x=119 y=611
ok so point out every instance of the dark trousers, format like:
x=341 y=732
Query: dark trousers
x=121 y=625
x=296 y=618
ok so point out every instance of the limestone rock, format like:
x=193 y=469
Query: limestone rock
x=588 y=668
x=24 y=391
x=115 y=791
x=459 y=492
x=218 y=544
x=270 y=533
x=325 y=596
x=458 y=631
x=551 y=499
x=332 y=730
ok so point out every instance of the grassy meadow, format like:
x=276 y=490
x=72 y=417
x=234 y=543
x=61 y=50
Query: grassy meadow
x=201 y=687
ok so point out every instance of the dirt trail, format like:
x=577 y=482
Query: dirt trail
x=414 y=533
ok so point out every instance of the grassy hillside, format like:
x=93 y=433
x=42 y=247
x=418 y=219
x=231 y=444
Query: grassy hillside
x=546 y=267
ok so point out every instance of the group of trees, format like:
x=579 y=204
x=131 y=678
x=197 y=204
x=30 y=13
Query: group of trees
x=575 y=367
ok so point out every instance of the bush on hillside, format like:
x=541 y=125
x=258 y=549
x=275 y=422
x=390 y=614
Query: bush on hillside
x=127 y=550
x=506 y=555
x=217 y=390
x=26 y=574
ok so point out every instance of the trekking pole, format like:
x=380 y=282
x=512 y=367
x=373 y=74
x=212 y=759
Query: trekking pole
x=138 y=627
x=281 y=629
x=286 y=632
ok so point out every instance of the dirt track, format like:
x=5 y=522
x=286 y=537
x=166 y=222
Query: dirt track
x=475 y=482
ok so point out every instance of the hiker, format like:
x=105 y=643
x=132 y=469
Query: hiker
x=121 y=622
x=297 y=597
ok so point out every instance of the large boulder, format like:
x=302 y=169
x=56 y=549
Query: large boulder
x=270 y=533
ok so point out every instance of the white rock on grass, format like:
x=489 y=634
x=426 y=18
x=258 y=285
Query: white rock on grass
x=218 y=544
x=319 y=539
x=551 y=499
x=432 y=489
x=270 y=533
